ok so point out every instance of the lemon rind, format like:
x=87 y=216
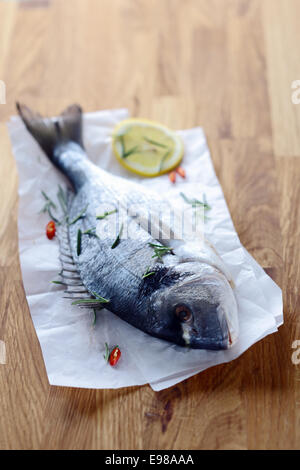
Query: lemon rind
x=148 y=122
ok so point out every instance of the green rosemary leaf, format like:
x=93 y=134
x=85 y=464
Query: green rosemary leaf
x=164 y=157
x=196 y=202
x=62 y=199
x=124 y=153
x=102 y=216
x=79 y=216
x=101 y=299
x=91 y=231
x=78 y=242
x=89 y=301
x=52 y=216
x=147 y=273
x=48 y=200
x=106 y=355
x=121 y=137
x=130 y=151
x=160 y=250
x=47 y=207
x=154 y=142
x=58 y=282
x=117 y=240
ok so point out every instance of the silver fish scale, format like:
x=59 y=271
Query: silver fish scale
x=122 y=256
x=75 y=269
x=102 y=269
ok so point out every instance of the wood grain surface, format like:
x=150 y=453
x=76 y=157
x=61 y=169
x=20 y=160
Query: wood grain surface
x=226 y=65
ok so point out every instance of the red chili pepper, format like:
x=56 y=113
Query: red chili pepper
x=114 y=356
x=181 y=171
x=172 y=176
x=50 y=229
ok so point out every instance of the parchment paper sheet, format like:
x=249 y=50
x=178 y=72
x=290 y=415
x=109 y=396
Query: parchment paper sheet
x=72 y=348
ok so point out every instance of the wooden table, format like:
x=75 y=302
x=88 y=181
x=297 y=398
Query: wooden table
x=228 y=66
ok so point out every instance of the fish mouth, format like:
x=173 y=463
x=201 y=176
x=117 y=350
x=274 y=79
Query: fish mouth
x=219 y=339
x=208 y=327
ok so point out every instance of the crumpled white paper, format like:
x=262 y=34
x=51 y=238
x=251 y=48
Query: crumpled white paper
x=72 y=347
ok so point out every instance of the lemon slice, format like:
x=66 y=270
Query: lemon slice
x=146 y=147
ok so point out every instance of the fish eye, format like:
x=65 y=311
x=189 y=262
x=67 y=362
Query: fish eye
x=183 y=313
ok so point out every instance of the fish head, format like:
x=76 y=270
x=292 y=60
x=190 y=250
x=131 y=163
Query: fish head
x=199 y=310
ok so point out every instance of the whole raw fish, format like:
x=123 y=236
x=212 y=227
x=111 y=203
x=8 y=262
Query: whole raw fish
x=181 y=295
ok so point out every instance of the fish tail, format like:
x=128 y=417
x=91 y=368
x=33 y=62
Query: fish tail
x=51 y=133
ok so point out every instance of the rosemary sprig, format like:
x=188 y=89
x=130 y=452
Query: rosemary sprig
x=79 y=242
x=121 y=138
x=101 y=299
x=125 y=153
x=130 y=151
x=117 y=240
x=58 y=282
x=47 y=207
x=106 y=355
x=196 y=202
x=91 y=231
x=160 y=250
x=102 y=216
x=154 y=142
x=49 y=201
x=79 y=216
x=147 y=273
x=62 y=199
x=122 y=143
x=98 y=300
x=164 y=157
